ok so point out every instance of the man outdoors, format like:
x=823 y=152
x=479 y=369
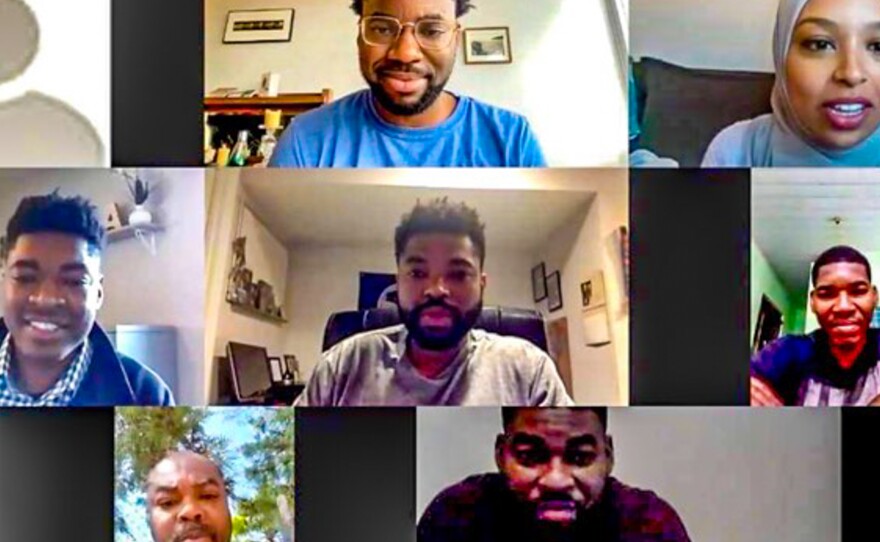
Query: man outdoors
x=405 y=118
x=187 y=500
x=436 y=357
x=553 y=484
x=837 y=364
x=52 y=352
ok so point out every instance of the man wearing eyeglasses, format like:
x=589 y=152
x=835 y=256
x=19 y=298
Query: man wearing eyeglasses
x=836 y=365
x=405 y=118
x=52 y=352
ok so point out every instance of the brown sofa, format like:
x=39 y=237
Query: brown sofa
x=681 y=109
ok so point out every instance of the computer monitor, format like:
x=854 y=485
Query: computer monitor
x=250 y=370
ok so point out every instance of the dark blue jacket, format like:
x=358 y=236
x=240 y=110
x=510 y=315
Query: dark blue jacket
x=114 y=379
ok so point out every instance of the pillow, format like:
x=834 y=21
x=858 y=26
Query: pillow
x=682 y=109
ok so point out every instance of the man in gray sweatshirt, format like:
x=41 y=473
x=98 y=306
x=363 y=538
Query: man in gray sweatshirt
x=436 y=357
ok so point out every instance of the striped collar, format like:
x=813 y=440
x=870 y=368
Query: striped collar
x=60 y=394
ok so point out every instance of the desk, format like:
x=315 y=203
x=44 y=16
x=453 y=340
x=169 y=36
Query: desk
x=275 y=396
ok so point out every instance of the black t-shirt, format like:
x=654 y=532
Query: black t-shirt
x=481 y=508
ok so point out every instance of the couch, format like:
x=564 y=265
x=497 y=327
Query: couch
x=681 y=109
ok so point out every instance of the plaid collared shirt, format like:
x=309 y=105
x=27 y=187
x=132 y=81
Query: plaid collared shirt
x=58 y=395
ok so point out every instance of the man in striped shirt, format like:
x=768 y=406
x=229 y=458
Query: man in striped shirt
x=837 y=364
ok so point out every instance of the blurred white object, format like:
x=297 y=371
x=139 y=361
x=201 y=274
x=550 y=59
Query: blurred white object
x=286 y=518
x=646 y=158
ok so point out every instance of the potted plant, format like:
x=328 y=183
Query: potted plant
x=140 y=191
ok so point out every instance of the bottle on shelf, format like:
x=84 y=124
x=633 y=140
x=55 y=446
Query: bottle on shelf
x=240 y=151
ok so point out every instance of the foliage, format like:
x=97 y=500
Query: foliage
x=140 y=191
x=270 y=467
x=144 y=435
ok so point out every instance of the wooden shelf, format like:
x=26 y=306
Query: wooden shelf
x=128 y=232
x=247 y=310
x=289 y=104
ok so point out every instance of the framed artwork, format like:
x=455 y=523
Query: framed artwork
x=554 y=291
x=275 y=369
x=258 y=26
x=539 y=282
x=593 y=291
x=487 y=45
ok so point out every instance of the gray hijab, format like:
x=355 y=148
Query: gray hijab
x=787 y=142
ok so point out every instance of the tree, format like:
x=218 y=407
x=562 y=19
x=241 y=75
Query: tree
x=144 y=435
x=270 y=468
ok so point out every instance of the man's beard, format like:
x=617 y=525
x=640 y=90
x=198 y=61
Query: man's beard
x=432 y=92
x=461 y=325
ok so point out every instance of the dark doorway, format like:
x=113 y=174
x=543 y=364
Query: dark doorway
x=769 y=324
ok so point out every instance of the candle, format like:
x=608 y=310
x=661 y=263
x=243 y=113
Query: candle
x=222 y=156
x=272 y=119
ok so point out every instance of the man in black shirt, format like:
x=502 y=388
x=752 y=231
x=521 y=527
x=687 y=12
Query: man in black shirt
x=553 y=485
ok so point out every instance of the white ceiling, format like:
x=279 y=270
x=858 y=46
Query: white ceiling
x=792 y=211
x=302 y=211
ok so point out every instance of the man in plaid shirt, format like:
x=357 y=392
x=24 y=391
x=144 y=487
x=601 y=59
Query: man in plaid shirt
x=554 y=485
x=52 y=352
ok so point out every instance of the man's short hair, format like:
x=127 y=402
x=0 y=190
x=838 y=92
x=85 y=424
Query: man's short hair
x=171 y=454
x=440 y=216
x=53 y=213
x=508 y=415
x=838 y=254
x=461 y=7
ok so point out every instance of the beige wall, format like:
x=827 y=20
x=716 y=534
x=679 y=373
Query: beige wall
x=705 y=33
x=575 y=250
x=563 y=73
x=165 y=289
x=267 y=258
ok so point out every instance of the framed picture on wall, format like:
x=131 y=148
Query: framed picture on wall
x=539 y=282
x=487 y=45
x=554 y=291
x=259 y=26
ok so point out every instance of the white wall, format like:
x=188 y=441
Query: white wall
x=732 y=474
x=717 y=34
x=166 y=289
x=324 y=280
x=563 y=72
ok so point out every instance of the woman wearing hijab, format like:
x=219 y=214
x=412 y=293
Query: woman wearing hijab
x=826 y=98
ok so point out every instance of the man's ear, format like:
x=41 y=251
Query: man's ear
x=500 y=441
x=609 y=450
x=812 y=297
x=100 y=293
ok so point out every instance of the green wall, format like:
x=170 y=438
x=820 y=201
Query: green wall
x=764 y=281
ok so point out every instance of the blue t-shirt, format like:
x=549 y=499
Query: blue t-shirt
x=350 y=133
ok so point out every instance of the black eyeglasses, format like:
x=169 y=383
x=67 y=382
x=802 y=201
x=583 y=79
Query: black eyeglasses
x=432 y=34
